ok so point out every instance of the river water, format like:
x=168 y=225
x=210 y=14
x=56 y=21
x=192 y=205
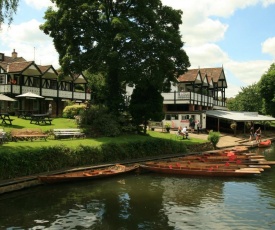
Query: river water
x=146 y=201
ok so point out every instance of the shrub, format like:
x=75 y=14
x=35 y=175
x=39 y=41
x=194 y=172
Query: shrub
x=99 y=122
x=73 y=110
x=214 y=138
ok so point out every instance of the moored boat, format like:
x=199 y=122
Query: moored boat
x=167 y=168
x=88 y=174
x=209 y=165
x=264 y=144
x=228 y=157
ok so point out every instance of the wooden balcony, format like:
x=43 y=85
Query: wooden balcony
x=190 y=98
x=52 y=93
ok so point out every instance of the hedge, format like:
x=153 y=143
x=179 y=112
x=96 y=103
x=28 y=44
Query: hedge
x=45 y=159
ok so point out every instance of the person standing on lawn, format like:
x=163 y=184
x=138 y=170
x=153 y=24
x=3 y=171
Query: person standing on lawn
x=198 y=127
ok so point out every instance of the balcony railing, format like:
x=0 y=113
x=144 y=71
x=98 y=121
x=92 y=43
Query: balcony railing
x=15 y=89
x=190 y=98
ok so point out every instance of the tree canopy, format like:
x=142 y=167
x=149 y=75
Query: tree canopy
x=249 y=99
x=132 y=41
x=267 y=90
x=7 y=9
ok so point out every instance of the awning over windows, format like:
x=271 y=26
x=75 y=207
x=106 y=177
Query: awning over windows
x=238 y=116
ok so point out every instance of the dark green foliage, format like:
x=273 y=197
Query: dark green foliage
x=97 y=86
x=267 y=90
x=146 y=104
x=100 y=122
x=73 y=110
x=214 y=138
x=130 y=41
x=32 y=162
x=7 y=9
x=249 y=99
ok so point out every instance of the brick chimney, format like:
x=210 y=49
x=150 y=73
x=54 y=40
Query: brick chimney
x=14 y=54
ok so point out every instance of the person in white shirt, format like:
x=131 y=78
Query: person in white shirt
x=185 y=132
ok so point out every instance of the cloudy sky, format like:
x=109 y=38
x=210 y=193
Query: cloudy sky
x=236 y=34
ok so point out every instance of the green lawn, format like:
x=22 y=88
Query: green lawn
x=57 y=123
x=73 y=143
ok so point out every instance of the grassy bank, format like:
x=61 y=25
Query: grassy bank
x=24 y=158
x=20 y=123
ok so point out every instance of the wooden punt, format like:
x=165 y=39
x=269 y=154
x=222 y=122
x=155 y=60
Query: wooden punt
x=236 y=150
x=223 y=159
x=201 y=165
x=262 y=163
x=88 y=174
x=252 y=161
x=198 y=171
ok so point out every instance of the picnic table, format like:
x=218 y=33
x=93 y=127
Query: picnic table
x=25 y=113
x=5 y=117
x=40 y=119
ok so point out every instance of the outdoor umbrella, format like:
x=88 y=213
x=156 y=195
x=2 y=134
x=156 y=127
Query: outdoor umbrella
x=6 y=98
x=29 y=95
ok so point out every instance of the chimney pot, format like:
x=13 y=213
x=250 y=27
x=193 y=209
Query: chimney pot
x=14 y=54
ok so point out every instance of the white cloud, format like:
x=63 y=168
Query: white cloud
x=211 y=7
x=248 y=72
x=268 y=46
x=207 y=55
x=266 y=3
x=242 y=74
x=201 y=28
x=39 y=4
x=207 y=31
x=29 y=42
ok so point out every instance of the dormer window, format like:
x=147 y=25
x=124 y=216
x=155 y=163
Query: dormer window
x=1 y=57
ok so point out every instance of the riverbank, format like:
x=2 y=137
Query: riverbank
x=226 y=141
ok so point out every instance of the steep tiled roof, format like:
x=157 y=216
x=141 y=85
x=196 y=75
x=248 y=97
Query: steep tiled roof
x=44 y=69
x=3 y=65
x=15 y=67
x=214 y=73
x=11 y=59
x=79 y=78
x=48 y=71
x=189 y=76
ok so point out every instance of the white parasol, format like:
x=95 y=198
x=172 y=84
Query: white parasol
x=6 y=98
x=29 y=95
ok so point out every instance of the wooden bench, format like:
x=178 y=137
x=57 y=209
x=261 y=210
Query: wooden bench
x=59 y=133
x=27 y=134
x=152 y=125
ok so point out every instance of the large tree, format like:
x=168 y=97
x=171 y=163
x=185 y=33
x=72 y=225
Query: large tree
x=7 y=10
x=267 y=90
x=129 y=40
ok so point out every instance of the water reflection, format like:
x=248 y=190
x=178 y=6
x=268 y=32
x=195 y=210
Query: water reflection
x=146 y=201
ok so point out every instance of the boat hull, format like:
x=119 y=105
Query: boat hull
x=264 y=144
x=200 y=171
x=88 y=174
